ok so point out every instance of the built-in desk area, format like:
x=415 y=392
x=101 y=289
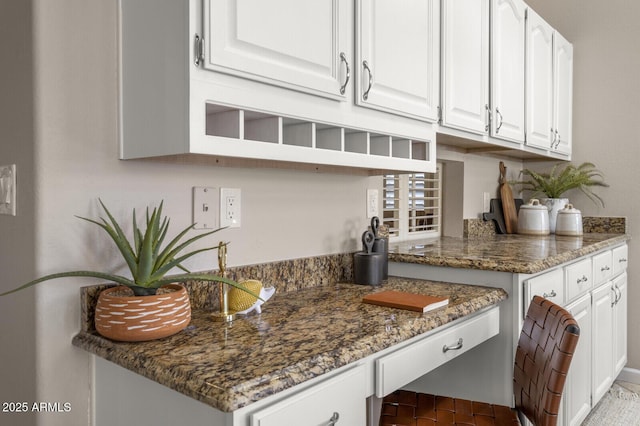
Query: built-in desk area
x=311 y=356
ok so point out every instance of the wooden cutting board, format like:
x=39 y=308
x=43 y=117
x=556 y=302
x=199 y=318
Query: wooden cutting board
x=508 y=205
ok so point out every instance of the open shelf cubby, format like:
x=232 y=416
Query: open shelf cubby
x=330 y=144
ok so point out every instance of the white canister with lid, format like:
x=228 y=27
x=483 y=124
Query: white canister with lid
x=533 y=218
x=569 y=221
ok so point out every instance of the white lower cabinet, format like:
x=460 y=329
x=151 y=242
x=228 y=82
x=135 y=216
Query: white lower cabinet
x=619 y=324
x=341 y=400
x=602 y=341
x=593 y=288
x=577 y=399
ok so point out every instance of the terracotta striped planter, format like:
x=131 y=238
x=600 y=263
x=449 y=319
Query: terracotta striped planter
x=122 y=316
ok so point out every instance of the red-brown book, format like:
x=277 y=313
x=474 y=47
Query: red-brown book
x=403 y=300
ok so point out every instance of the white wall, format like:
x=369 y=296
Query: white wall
x=606 y=108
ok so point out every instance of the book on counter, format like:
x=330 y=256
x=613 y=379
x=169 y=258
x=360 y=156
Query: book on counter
x=403 y=300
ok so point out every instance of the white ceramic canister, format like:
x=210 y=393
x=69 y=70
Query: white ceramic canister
x=569 y=221
x=533 y=218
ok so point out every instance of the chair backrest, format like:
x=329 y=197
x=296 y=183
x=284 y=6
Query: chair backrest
x=547 y=342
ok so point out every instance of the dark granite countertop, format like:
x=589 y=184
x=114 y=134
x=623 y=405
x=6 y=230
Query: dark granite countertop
x=506 y=253
x=299 y=335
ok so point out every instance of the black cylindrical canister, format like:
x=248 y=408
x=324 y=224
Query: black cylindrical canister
x=380 y=245
x=368 y=266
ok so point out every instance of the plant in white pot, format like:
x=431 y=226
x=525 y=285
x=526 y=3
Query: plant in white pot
x=150 y=304
x=556 y=183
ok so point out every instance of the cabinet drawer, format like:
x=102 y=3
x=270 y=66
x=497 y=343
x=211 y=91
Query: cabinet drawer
x=342 y=396
x=620 y=259
x=579 y=278
x=407 y=364
x=602 y=267
x=549 y=285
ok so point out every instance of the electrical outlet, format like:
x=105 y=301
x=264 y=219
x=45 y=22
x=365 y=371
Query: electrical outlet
x=486 y=202
x=205 y=208
x=8 y=190
x=230 y=207
x=372 y=203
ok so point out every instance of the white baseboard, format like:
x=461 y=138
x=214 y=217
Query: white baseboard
x=630 y=375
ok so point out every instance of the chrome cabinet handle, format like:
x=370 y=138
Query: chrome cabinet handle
x=198 y=50
x=548 y=295
x=334 y=419
x=618 y=294
x=499 y=115
x=557 y=139
x=604 y=268
x=365 y=95
x=343 y=58
x=455 y=347
x=622 y=260
x=584 y=279
x=488 y=111
x=555 y=136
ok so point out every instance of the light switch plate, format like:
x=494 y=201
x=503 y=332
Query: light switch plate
x=372 y=203
x=205 y=207
x=8 y=190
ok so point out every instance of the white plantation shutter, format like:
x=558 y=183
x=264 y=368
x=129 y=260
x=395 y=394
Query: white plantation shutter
x=412 y=206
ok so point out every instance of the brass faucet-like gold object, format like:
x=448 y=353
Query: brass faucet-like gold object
x=223 y=291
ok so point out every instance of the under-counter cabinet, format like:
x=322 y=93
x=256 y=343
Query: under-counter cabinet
x=592 y=287
x=268 y=81
x=398 y=57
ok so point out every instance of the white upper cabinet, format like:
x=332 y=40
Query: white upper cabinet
x=465 y=65
x=299 y=45
x=549 y=87
x=563 y=94
x=397 y=57
x=508 y=26
x=539 y=82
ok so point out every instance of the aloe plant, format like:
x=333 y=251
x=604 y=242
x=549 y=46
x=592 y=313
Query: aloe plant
x=555 y=183
x=147 y=260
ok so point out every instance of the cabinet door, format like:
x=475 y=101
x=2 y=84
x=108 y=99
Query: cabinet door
x=620 y=324
x=602 y=342
x=563 y=93
x=577 y=394
x=465 y=65
x=341 y=399
x=539 y=81
x=508 y=26
x=398 y=56
x=283 y=42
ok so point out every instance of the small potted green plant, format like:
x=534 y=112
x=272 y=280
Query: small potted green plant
x=149 y=263
x=556 y=183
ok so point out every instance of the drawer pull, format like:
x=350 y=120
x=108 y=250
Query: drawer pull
x=455 y=347
x=622 y=260
x=584 y=279
x=334 y=419
x=604 y=268
x=552 y=294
